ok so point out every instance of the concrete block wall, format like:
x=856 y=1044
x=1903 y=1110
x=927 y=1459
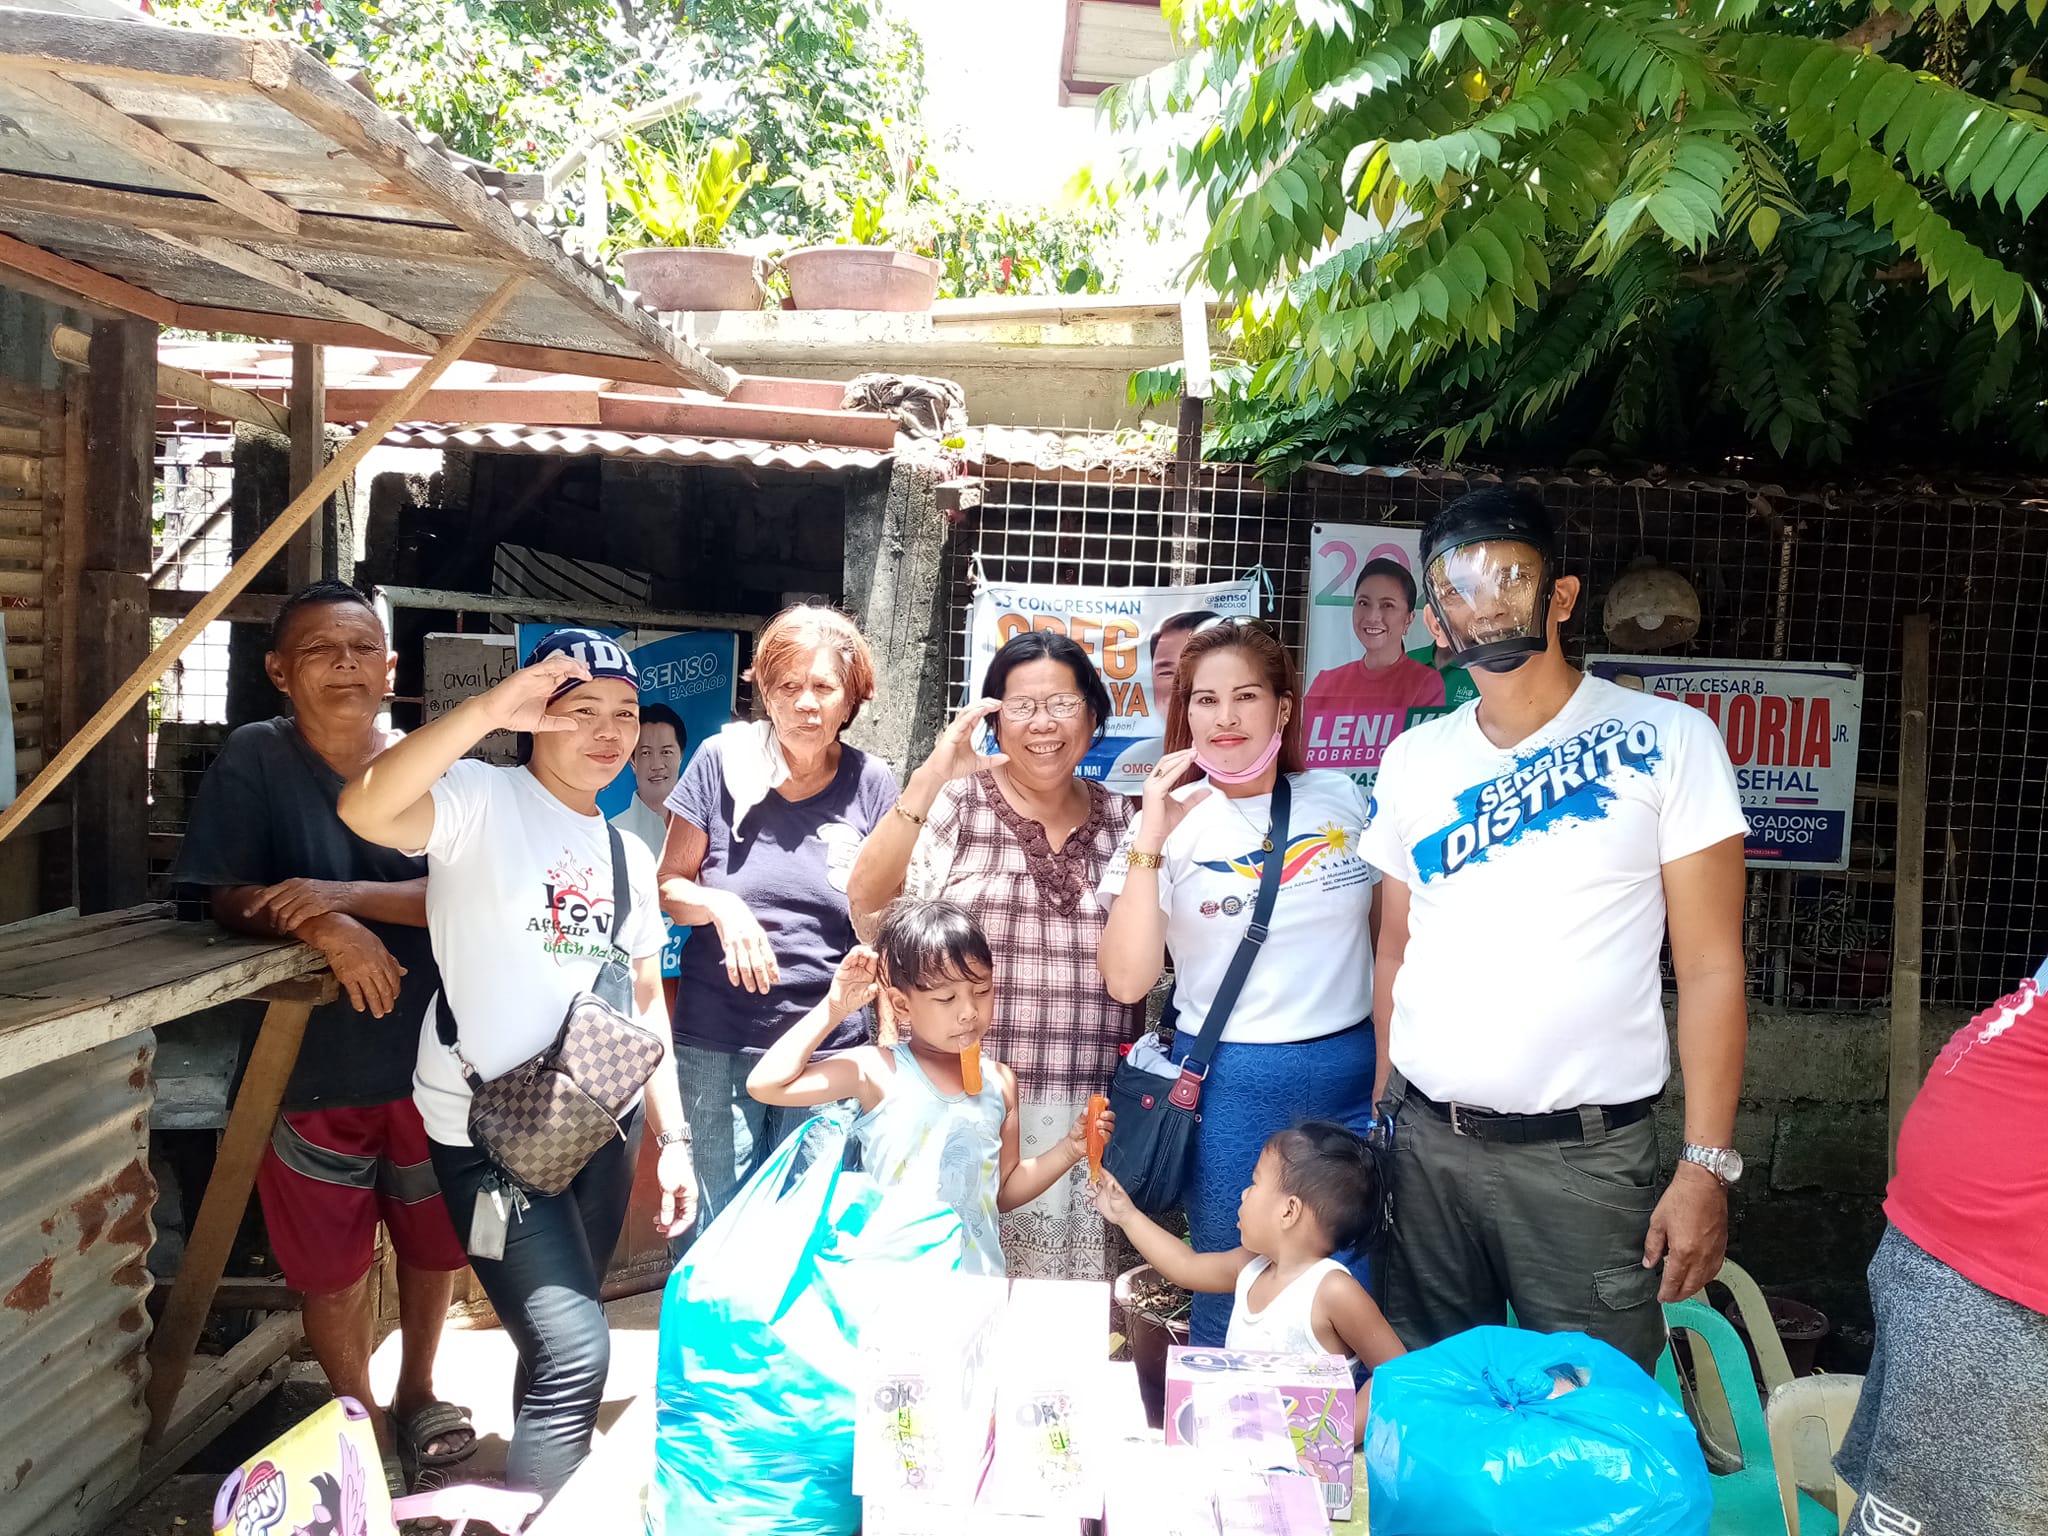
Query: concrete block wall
x=1813 y=1131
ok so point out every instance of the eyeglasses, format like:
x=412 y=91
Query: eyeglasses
x=1061 y=706
x=1236 y=620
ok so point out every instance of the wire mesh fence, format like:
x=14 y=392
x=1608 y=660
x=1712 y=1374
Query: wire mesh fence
x=1819 y=576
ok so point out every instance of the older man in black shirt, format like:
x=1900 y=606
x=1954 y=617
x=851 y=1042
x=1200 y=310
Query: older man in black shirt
x=349 y=1149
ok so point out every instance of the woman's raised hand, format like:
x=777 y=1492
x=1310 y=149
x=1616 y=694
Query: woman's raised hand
x=520 y=702
x=954 y=756
x=1164 y=810
x=855 y=983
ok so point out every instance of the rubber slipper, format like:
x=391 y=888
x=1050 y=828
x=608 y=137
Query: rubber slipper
x=437 y=1421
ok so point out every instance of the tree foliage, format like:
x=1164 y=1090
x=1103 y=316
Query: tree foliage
x=827 y=94
x=1676 y=228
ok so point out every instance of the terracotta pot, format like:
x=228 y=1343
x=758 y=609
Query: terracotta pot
x=694 y=278
x=861 y=277
x=1150 y=1338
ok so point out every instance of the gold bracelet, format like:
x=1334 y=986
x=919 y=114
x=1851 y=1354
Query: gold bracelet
x=910 y=816
x=1139 y=860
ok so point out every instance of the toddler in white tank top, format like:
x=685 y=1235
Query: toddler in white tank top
x=1316 y=1190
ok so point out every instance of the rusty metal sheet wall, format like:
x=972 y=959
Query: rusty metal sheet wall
x=75 y=1201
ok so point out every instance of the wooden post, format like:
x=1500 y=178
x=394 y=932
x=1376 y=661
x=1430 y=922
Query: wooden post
x=131 y=693
x=227 y=1197
x=309 y=556
x=113 y=618
x=1187 y=465
x=1908 y=894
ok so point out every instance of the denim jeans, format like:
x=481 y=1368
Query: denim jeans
x=545 y=1290
x=731 y=1132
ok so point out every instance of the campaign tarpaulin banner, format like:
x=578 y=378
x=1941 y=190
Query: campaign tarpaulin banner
x=687 y=684
x=1121 y=630
x=1369 y=676
x=1792 y=729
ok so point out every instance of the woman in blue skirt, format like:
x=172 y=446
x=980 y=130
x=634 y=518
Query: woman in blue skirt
x=1298 y=1044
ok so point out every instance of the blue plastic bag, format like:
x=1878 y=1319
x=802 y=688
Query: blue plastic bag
x=1472 y=1437
x=760 y=1327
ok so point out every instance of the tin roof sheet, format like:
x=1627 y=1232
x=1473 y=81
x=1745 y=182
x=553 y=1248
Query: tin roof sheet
x=574 y=442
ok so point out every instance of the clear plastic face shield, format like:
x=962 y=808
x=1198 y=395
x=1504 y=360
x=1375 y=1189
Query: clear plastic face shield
x=1492 y=598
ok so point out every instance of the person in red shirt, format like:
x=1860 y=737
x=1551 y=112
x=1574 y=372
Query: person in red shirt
x=1951 y=1433
x=1344 y=703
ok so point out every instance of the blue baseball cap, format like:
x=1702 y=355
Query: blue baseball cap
x=599 y=652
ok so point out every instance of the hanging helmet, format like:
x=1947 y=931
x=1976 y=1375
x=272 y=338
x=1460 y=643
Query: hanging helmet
x=1489 y=561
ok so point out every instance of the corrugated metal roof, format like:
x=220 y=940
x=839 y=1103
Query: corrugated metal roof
x=574 y=442
x=74 y=1233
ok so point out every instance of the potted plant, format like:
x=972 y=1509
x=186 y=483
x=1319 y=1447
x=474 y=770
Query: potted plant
x=1155 y=1316
x=863 y=270
x=681 y=212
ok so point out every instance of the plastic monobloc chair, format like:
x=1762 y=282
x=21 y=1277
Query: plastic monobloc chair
x=1746 y=1501
x=1807 y=1419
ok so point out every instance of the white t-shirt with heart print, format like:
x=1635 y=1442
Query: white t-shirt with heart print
x=519 y=907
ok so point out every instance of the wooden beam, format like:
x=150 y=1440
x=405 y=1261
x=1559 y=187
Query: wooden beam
x=183 y=215
x=242 y=1147
x=542 y=610
x=1908 y=895
x=496 y=404
x=289 y=280
x=94 y=287
x=506 y=354
x=155 y=55
x=193 y=172
x=316 y=96
x=252 y=561
x=248 y=608
x=193 y=389
x=305 y=558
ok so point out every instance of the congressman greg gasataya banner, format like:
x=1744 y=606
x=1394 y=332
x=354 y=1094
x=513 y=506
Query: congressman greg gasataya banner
x=1133 y=635
x=1792 y=729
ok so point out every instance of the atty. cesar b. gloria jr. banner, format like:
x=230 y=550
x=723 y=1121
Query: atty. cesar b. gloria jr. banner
x=1133 y=635
x=1792 y=729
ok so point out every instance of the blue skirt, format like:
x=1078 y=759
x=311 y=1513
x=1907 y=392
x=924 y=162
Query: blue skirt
x=1252 y=1092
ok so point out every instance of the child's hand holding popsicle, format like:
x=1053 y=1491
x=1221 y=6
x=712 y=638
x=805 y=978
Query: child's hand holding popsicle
x=1090 y=1133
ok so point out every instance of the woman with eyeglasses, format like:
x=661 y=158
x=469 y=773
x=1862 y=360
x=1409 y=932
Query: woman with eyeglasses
x=1015 y=838
x=1297 y=1044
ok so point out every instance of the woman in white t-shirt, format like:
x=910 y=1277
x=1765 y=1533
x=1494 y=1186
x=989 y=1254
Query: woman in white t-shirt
x=1299 y=1043
x=521 y=911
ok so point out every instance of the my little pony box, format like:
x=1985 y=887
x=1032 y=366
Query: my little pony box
x=322 y=1478
x=1316 y=1390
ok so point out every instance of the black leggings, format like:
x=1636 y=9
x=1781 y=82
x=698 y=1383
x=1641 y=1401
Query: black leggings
x=545 y=1290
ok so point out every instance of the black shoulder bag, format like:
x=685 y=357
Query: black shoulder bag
x=1155 y=1131
x=548 y=1116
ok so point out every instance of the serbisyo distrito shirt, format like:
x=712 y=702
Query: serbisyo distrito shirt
x=519 y=903
x=1536 y=911
x=1313 y=975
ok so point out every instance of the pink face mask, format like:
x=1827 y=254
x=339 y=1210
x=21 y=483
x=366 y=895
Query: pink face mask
x=1241 y=775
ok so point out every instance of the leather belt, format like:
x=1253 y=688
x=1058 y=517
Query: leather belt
x=1559 y=1125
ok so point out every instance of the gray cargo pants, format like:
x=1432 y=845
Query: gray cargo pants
x=1553 y=1228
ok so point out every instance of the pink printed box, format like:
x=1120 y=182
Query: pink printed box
x=1316 y=1390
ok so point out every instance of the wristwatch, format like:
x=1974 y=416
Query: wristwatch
x=670 y=1138
x=1724 y=1163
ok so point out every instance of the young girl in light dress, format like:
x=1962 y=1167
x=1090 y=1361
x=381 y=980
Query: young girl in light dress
x=934 y=1115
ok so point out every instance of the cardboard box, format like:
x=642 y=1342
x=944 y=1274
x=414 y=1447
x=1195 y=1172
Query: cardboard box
x=1269 y=1504
x=1055 y=1402
x=879 y=1519
x=1242 y=1429
x=1159 y=1490
x=925 y=1394
x=458 y=667
x=1316 y=1391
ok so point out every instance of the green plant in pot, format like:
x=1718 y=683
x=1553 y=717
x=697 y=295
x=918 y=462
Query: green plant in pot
x=680 y=211
x=864 y=270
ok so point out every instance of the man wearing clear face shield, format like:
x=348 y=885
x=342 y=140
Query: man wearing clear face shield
x=1538 y=846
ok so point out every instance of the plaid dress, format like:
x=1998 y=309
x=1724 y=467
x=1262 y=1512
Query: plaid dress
x=1056 y=1026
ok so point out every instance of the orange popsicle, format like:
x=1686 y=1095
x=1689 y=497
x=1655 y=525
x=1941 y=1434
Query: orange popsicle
x=970 y=1069
x=1096 y=1105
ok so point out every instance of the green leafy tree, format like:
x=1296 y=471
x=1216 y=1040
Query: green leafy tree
x=1680 y=228
x=828 y=95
